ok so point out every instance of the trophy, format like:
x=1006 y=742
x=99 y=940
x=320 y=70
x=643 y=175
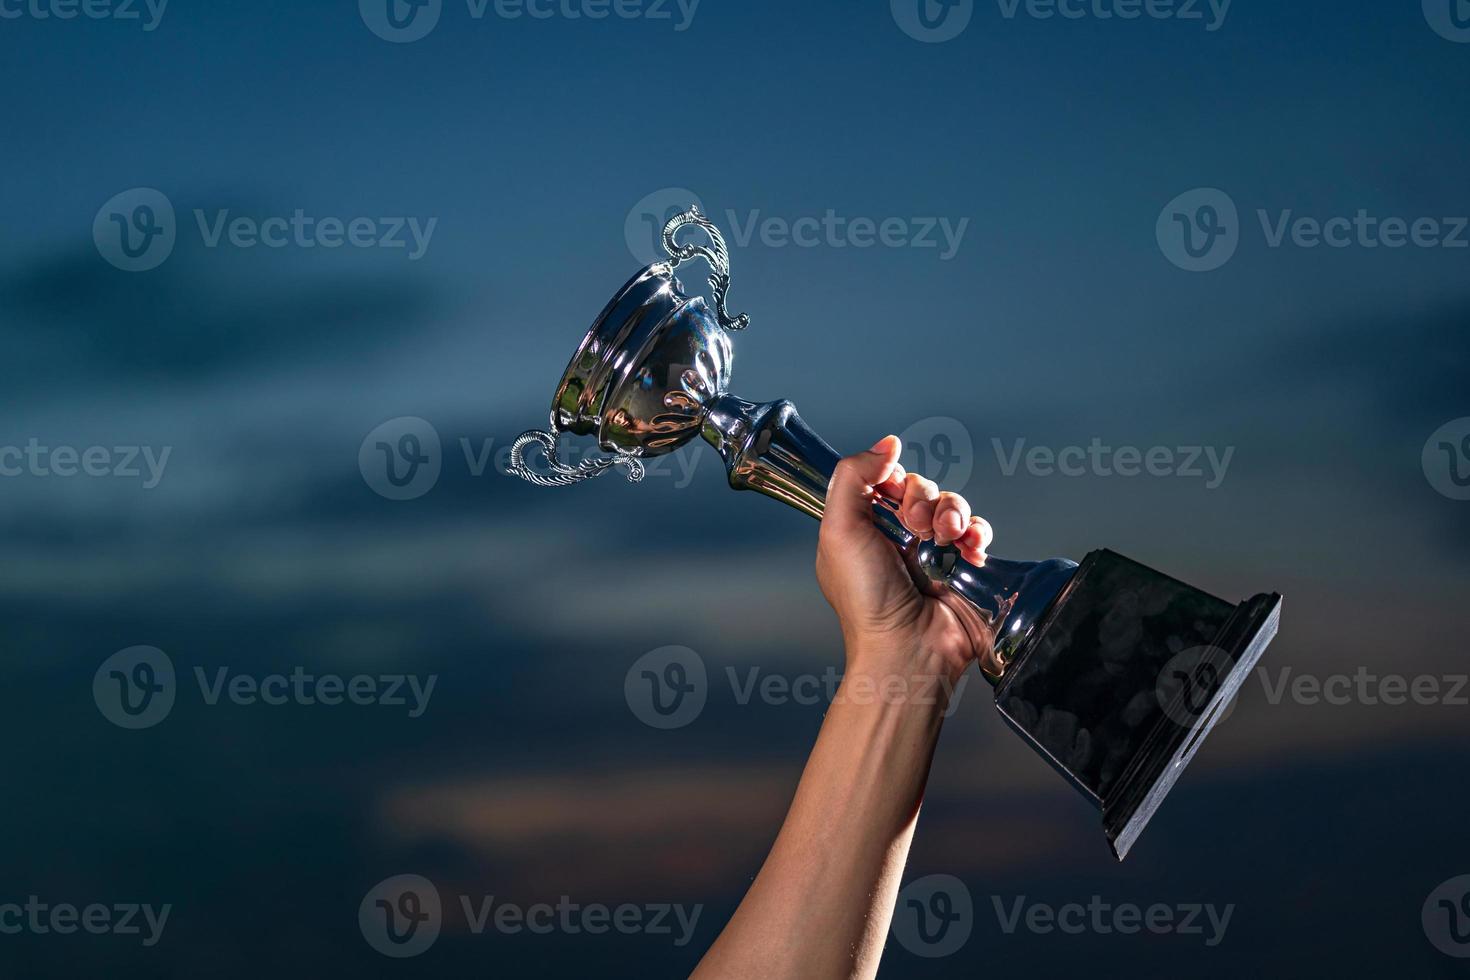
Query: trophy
x=1112 y=671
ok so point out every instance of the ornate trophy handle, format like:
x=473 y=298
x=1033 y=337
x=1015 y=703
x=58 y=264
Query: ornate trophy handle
x=562 y=475
x=715 y=254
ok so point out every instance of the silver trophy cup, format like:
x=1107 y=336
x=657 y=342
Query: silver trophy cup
x=1112 y=671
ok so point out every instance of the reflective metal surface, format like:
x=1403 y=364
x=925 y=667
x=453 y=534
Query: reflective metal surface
x=653 y=373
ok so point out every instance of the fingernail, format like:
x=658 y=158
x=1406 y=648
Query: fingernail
x=879 y=443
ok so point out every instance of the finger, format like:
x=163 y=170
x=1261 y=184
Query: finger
x=951 y=518
x=892 y=488
x=974 y=544
x=919 y=497
x=850 y=493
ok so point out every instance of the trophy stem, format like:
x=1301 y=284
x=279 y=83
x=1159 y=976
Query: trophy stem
x=769 y=449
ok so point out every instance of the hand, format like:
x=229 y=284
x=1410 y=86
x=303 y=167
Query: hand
x=891 y=628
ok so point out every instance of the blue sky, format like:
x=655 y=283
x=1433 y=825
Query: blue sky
x=1055 y=143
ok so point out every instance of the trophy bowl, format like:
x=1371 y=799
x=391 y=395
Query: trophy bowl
x=647 y=372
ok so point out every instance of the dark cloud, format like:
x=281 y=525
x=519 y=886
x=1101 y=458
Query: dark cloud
x=201 y=312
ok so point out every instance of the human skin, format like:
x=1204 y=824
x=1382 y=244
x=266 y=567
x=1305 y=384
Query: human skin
x=821 y=904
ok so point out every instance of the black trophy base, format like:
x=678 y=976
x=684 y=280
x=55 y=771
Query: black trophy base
x=1124 y=676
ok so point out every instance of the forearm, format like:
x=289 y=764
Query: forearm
x=821 y=904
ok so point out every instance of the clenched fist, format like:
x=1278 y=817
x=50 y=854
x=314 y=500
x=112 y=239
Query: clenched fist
x=892 y=628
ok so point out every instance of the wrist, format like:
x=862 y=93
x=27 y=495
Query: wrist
x=882 y=671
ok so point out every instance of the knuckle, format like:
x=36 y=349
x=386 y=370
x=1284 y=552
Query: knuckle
x=845 y=472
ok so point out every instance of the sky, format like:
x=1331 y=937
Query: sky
x=1235 y=234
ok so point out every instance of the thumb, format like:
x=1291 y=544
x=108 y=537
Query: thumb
x=850 y=494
